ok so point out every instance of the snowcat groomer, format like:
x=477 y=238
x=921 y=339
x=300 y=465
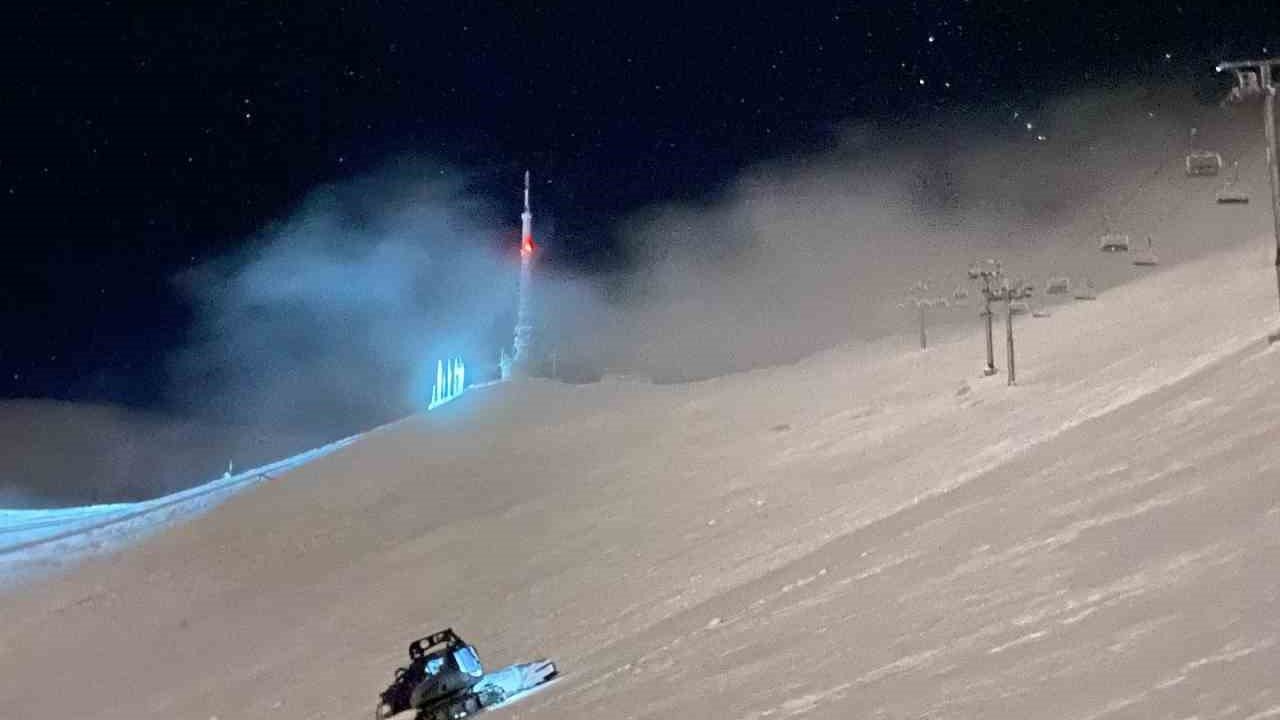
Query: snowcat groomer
x=445 y=680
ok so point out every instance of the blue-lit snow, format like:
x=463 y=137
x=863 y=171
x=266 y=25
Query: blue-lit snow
x=32 y=541
x=521 y=695
x=516 y=681
x=35 y=541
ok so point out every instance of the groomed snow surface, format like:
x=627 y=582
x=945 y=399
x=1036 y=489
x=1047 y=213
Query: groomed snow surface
x=874 y=532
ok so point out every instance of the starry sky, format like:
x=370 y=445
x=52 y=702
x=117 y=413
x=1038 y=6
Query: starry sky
x=142 y=139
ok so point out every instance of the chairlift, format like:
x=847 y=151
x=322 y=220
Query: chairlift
x=1203 y=163
x=917 y=303
x=1247 y=86
x=1019 y=307
x=1113 y=242
x=1058 y=286
x=1230 y=194
x=1041 y=312
x=1086 y=291
x=1147 y=258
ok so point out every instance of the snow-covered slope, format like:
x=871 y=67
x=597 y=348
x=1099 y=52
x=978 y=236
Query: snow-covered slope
x=872 y=532
x=36 y=542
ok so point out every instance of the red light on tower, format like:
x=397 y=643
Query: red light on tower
x=524 y=311
x=526 y=223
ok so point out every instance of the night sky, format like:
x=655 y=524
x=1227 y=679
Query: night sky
x=141 y=139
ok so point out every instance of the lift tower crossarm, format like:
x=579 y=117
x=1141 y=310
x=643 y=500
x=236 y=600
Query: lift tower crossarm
x=1238 y=64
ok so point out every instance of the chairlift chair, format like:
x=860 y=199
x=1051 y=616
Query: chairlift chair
x=1247 y=86
x=1058 y=286
x=1147 y=258
x=1019 y=307
x=1230 y=194
x=1203 y=163
x=1113 y=242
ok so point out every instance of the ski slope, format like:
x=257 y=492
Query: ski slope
x=873 y=532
